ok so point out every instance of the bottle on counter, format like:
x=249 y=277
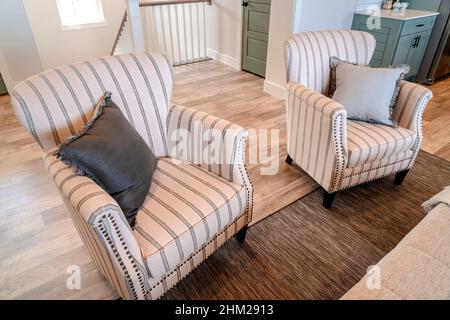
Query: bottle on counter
x=397 y=6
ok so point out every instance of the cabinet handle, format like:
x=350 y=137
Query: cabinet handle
x=418 y=41
x=420 y=25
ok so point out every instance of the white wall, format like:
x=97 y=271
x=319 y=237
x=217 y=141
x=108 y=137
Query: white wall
x=364 y=4
x=57 y=47
x=224 y=31
x=281 y=25
x=19 y=58
x=313 y=15
x=291 y=16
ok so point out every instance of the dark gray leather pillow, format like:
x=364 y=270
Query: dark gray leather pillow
x=110 y=151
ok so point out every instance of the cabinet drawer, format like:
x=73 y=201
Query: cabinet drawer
x=418 y=25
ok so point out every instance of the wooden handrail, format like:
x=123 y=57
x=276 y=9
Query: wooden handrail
x=150 y=4
x=162 y=3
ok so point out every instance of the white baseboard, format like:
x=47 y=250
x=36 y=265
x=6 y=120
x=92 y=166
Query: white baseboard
x=225 y=59
x=275 y=89
x=269 y=86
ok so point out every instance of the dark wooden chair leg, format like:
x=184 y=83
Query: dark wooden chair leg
x=400 y=177
x=289 y=160
x=240 y=236
x=328 y=199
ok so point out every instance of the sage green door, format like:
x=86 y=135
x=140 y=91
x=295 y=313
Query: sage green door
x=2 y=86
x=255 y=35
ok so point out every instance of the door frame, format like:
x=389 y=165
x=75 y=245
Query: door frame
x=241 y=34
x=4 y=70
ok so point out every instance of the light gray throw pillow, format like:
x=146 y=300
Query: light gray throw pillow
x=367 y=94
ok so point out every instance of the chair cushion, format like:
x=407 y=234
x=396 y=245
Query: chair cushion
x=186 y=206
x=369 y=142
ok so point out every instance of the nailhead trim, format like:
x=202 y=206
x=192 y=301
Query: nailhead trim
x=338 y=125
x=419 y=127
x=376 y=177
x=246 y=180
x=116 y=253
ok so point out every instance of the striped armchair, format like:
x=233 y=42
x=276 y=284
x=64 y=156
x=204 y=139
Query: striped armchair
x=193 y=206
x=336 y=152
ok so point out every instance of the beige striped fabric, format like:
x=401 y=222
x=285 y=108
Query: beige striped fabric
x=368 y=142
x=191 y=209
x=224 y=142
x=56 y=104
x=376 y=169
x=316 y=131
x=158 y=288
x=103 y=228
x=336 y=152
x=185 y=208
x=205 y=132
x=308 y=55
x=410 y=107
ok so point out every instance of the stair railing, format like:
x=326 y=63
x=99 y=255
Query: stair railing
x=174 y=28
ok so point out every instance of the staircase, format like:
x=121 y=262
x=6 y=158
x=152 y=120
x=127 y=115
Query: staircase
x=175 y=28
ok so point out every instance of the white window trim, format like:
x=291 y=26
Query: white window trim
x=85 y=25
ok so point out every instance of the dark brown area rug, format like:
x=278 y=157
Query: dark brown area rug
x=307 y=252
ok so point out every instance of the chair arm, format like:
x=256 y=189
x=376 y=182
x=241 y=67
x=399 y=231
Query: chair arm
x=214 y=144
x=313 y=99
x=202 y=139
x=317 y=134
x=411 y=103
x=103 y=229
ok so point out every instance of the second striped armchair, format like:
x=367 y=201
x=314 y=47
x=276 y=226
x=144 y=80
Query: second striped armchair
x=336 y=152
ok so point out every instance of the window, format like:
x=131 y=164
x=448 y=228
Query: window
x=75 y=14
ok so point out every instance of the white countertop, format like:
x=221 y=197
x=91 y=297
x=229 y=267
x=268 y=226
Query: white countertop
x=406 y=15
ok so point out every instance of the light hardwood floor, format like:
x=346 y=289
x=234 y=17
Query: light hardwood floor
x=437 y=121
x=37 y=238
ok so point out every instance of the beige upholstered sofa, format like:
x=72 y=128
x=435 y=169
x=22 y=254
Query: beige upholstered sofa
x=193 y=206
x=336 y=152
x=419 y=267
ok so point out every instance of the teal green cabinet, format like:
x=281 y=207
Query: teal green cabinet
x=398 y=41
x=410 y=50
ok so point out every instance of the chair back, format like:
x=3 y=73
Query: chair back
x=308 y=55
x=56 y=104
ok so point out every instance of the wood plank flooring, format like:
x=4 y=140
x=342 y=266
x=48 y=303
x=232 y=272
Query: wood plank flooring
x=37 y=238
x=437 y=120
